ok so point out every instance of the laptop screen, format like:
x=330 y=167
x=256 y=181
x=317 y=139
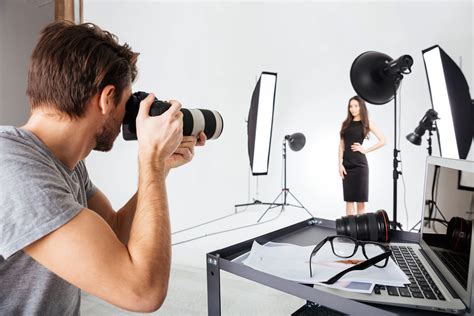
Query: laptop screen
x=448 y=212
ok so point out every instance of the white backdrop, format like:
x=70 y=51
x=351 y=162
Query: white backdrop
x=209 y=54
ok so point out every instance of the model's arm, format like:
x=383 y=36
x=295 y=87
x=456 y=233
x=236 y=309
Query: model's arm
x=342 y=170
x=380 y=140
x=121 y=221
x=87 y=253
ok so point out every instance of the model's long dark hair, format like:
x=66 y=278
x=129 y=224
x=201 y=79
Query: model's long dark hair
x=364 y=116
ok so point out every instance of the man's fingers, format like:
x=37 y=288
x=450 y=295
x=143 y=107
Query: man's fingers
x=187 y=145
x=145 y=105
x=185 y=152
x=175 y=107
x=189 y=139
x=202 y=139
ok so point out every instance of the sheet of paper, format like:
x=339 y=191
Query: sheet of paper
x=292 y=262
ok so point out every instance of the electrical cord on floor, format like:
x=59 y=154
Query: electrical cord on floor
x=205 y=223
x=226 y=230
x=219 y=218
x=231 y=229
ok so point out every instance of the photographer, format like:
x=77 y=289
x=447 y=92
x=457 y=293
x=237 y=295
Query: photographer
x=58 y=232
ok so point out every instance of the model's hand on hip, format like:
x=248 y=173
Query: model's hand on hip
x=358 y=147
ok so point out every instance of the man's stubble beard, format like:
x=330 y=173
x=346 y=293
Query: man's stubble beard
x=104 y=140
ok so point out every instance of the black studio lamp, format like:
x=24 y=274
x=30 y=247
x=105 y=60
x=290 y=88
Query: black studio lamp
x=376 y=77
x=296 y=141
x=427 y=123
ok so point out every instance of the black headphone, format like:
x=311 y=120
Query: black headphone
x=459 y=234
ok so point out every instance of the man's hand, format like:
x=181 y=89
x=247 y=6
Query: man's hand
x=159 y=134
x=185 y=151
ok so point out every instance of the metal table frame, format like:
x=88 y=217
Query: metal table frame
x=222 y=260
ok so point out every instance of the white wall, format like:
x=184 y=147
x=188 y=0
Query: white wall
x=208 y=54
x=20 y=23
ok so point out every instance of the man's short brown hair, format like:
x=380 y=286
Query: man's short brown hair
x=72 y=63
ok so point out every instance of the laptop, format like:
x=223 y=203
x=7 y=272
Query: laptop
x=440 y=267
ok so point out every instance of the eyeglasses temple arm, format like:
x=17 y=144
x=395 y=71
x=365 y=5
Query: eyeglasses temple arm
x=361 y=266
x=318 y=246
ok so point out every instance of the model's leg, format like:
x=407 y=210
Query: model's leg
x=360 y=207
x=349 y=208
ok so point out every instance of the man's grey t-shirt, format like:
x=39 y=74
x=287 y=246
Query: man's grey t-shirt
x=38 y=194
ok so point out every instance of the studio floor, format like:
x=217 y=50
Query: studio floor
x=187 y=296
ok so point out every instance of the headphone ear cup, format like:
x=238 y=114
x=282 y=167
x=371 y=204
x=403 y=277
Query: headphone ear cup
x=467 y=248
x=454 y=236
x=458 y=234
x=465 y=235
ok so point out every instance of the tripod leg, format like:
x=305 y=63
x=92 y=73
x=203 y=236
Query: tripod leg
x=300 y=204
x=270 y=207
x=419 y=222
x=282 y=208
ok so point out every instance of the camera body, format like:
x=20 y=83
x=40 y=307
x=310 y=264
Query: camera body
x=194 y=120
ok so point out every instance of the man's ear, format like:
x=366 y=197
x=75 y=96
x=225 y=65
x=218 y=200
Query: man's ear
x=106 y=99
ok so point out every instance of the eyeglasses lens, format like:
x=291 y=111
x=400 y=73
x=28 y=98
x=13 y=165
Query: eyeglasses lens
x=373 y=250
x=343 y=247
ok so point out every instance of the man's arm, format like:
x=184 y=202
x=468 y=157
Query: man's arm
x=121 y=221
x=88 y=254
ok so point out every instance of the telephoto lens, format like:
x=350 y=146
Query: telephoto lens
x=368 y=226
x=194 y=120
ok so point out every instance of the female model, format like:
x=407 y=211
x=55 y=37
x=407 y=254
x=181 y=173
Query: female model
x=353 y=167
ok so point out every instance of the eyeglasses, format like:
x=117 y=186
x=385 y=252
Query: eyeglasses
x=345 y=247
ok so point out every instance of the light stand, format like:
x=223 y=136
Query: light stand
x=296 y=142
x=396 y=151
x=255 y=202
x=427 y=123
x=376 y=77
x=430 y=133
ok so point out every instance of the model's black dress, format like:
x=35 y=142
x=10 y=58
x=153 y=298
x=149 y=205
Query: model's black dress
x=356 y=182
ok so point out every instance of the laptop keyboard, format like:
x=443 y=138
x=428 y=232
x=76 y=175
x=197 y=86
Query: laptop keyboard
x=421 y=284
